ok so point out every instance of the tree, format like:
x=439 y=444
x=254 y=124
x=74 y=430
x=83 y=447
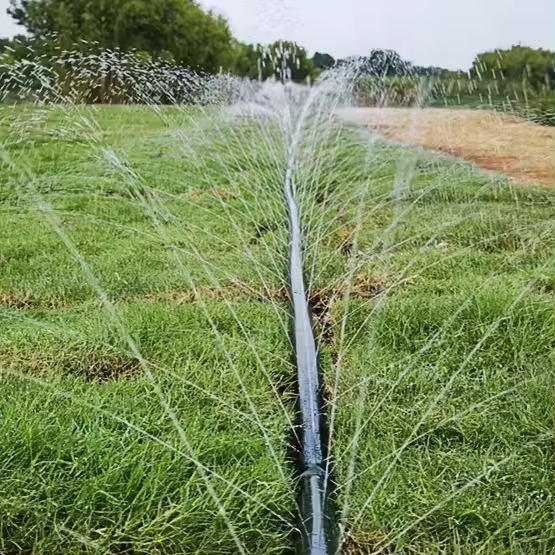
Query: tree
x=385 y=63
x=177 y=30
x=18 y=48
x=246 y=60
x=534 y=68
x=283 y=60
x=381 y=63
x=323 y=61
x=428 y=71
x=4 y=44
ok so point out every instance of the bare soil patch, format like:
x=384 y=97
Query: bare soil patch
x=28 y=302
x=234 y=292
x=88 y=365
x=521 y=150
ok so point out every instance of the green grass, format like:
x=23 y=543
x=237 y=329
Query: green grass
x=73 y=467
x=91 y=460
x=445 y=360
x=444 y=373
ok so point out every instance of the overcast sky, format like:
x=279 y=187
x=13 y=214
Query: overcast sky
x=446 y=33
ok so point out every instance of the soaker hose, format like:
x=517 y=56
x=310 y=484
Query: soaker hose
x=312 y=502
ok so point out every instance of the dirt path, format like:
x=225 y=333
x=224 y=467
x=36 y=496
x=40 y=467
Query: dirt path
x=521 y=150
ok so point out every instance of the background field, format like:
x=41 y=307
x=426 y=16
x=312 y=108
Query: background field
x=145 y=353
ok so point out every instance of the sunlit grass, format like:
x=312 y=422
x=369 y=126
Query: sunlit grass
x=432 y=288
x=444 y=357
x=92 y=461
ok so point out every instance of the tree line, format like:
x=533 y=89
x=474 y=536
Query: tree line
x=176 y=32
x=180 y=32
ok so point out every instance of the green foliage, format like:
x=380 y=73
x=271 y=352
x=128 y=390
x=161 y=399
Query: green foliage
x=384 y=63
x=246 y=60
x=323 y=61
x=388 y=91
x=19 y=47
x=280 y=60
x=519 y=81
x=534 y=67
x=176 y=30
x=388 y=63
x=507 y=95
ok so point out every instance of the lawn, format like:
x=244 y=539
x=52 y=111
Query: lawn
x=145 y=358
x=144 y=373
x=439 y=356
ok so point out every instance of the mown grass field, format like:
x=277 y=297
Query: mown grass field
x=444 y=424
x=92 y=462
x=145 y=358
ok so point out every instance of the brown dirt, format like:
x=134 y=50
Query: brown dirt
x=89 y=365
x=521 y=150
x=28 y=302
x=237 y=292
x=366 y=543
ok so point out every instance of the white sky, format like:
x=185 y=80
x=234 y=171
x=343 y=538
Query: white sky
x=7 y=26
x=446 y=33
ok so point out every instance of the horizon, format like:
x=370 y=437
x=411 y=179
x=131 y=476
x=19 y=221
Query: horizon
x=454 y=34
x=451 y=42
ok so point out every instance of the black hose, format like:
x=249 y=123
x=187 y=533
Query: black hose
x=312 y=499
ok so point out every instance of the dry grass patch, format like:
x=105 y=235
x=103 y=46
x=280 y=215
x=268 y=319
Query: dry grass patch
x=86 y=364
x=361 y=287
x=28 y=302
x=221 y=193
x=235 y=292
x=365 y=543
x=521 y=150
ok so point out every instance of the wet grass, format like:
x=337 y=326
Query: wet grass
x=444 y=426
x=119 y=415
x=91 y=462
x=442 y=418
